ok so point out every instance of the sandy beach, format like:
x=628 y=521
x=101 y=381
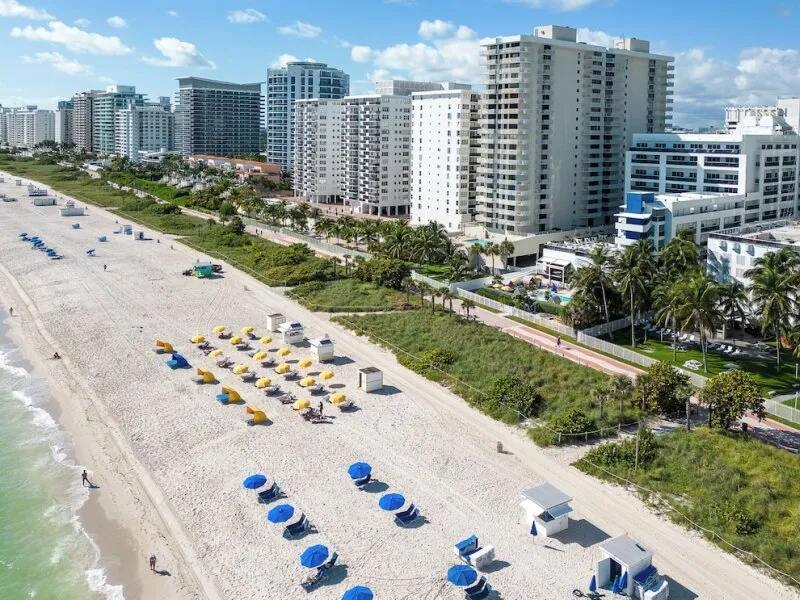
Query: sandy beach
x=169 y=459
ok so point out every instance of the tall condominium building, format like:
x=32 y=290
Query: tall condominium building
x=557 y=118
x=104 y=108
x=757 y=158
x=82 y=109
x=296 y=81
x=217 y=117
x=318 y=159
x=376 y=150
x=3 y=124
x=64 y=123
x=28 y=126
x=444 y=157
x=141 y=129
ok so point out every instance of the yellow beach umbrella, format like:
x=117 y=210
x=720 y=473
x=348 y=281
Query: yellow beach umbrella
x=284 y=352
x=307 y=381
x=338 y=398
x=301 y=404
x=215 y=353
x=305 y=363
x=326 y=375
x=260 y=356
x=248 y=329
x=236 y=340
x=266 y=340
x=282 y=368
x=219 y=329
x=239 y=369
x=198 y=339
x=263 y=382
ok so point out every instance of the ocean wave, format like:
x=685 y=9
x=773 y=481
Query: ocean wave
x=41 y=418
x=96 y=578
x=6 y=366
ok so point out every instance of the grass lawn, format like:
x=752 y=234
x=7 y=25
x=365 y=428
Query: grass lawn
x=482 y=355
x=350 y=295
x=763 y=371
x=728 y=482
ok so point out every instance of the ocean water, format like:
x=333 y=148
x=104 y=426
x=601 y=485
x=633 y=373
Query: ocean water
x=44 y=551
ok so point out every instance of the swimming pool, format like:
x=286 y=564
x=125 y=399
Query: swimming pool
x=540 y=295
x=478 y=241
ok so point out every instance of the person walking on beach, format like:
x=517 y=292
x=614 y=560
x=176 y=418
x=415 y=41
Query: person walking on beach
x=320 y=409
x=85 y=479
x=153 y=563
x=11 y=311
x=105 y=267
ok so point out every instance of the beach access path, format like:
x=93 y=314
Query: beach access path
x=421 y=439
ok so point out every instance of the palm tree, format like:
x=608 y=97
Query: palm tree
x=335 y=260
x=408 y=285
x=456 y=271
x=447 y=296
x=347 y=258
x=423 y=289
x=597 y=272
x=732 y=300
x=699 y=309
x=491 y=250
x=504 y=250
x=435 y=293
x=773 y=293
x=475 y=251
x=680 y=255
x=667 y=301
x=426 y=246
x=315 y=214
x=632 y=272
x=397 y=241
x=467 y=304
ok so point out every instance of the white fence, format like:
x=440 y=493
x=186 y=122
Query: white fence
x=609 y=327
x=307 y=239
x=515 y=312
x=781 y=410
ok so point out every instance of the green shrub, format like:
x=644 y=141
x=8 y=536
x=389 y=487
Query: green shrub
x=386 y=272
x=517 y=394
x=571 y=421
x=623 y=454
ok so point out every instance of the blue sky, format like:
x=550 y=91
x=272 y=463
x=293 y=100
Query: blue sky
x=726 y=52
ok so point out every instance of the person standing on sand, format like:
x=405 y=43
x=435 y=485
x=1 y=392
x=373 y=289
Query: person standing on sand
x=558 y=342
x=153 y=563
x=85 y=479
x=10 y=311
x=105 y=267
x=320 y=409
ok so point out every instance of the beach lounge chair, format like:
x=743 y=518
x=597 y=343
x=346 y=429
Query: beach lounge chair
x=290 y=375
x=272 y=389
x=736 y=352
x=205 y=346
x=297 y=528
x=363 y=482
x=248 y=377
x=268 y=362
x=315 y=388
x=251 y=353
x=466 y=547
x=225 y=363
x=224 y=335
x=313 y=581
x=407 y=516
x=287 y=398
x=479 y=590
x=270 y=494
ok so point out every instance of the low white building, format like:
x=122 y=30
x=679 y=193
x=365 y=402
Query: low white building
x=625 y=560
x=546 y=509
x=318 y=160
x=142 y=129
x=659 y=217
x=444 y=157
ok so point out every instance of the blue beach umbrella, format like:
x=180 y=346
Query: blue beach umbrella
x=314 y=556
x=358 y=593
x=623 y=583
x=533 y=528
x=593 y=584
x=615 y=585
x=391 y=501
x=359 y=470
x=462 y=575
x=281 y=513
x=254 y=481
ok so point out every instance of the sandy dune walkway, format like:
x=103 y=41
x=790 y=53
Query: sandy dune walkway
x=421 y=440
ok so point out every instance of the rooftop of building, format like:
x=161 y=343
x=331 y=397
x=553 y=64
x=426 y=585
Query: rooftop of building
x=203 y=82
x=266 y=167
x=778 y=234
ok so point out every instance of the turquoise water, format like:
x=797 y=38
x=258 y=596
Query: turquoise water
x=479 y=242
x=44 y=551
x=564 y=298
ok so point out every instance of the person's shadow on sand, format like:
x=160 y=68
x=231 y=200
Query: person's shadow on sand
x=164 y=573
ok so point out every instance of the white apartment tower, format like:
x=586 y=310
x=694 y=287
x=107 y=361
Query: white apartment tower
x=29 y=126
x=64 y=123
x=82 y=120
x=286 y=85
x=444 y=157
x=757 y=158
x=557 y=118
x=318 y=159
x=376 y=150
x=145 y=128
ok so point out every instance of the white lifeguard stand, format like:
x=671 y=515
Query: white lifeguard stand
x=70 y=210
x=274 y=321
x=624 y=555
x=370 y=379
x=138 y=234
x=293 y=332
x=322 y=348
x=547 y=507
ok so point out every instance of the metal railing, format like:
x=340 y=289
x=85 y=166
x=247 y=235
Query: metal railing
x=781 y=410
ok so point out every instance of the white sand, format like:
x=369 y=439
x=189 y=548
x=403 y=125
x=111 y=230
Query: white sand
x=190 y=454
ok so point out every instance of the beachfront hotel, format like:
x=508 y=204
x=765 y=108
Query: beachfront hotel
x=217 y=117
x=285 y=86
x=318 y=160
x=26 y=126
x=444 y=157
x=104 y=110
x=140 y=130
x=534 y=175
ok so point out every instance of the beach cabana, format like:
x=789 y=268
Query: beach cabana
x=293 y=332
x=322 y=348
x=258 y=417
x=162 y=347
x=547 y=507
x=204 y=376
x=203 y=270
x=274 y=321
x=370 y=379
x=178 y=362
x=228 y=395
x=625 y=561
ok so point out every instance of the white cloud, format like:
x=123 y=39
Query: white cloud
x=246 y=16
x=454 y=57
x=172 y=13
x=285 y=59
x=41 y=102
x=12 y=8
x=117 y=22
x=59 y=62
x=360 y=54
x=301 y=30
x=433 y=29
x=108 y=80
x=83 y=22
x=563 y=5
x=596 y=38
x=177 y=53
x=74 y=39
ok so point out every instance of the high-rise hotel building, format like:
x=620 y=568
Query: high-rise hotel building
x=557 y=118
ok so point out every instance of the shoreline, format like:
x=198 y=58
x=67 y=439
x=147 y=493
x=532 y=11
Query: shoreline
x=109 y=524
